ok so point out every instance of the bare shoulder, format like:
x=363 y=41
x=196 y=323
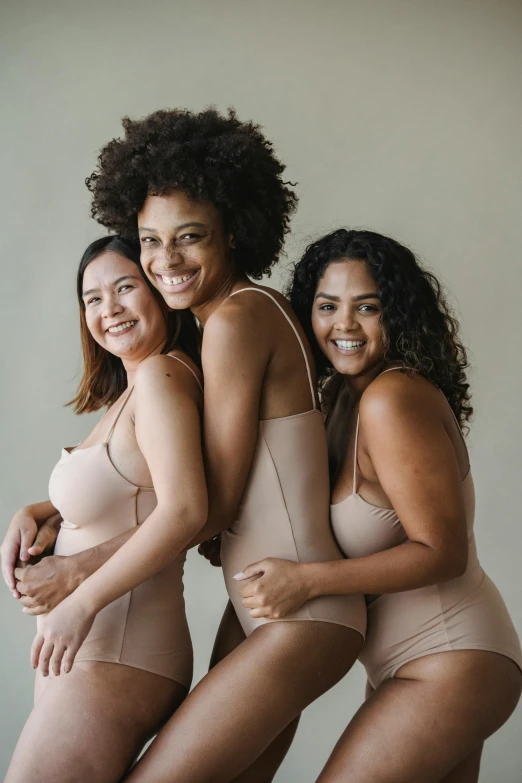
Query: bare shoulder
x=400 y=395
x=174 y=371
x=243 y=319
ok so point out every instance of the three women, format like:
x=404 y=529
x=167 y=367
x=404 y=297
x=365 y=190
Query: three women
x=204 y=230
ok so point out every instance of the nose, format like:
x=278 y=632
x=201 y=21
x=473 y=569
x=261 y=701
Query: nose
x=170 y=257
x=346 y=320
x=112 y=306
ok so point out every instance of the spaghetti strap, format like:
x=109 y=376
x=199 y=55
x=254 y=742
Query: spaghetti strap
x=307 y=364
x=125 y=401
x=187 y=366
x=354 y=485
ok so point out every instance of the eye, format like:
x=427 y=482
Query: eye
x=124 y=286
x=93 y=299
x=367 y=308
x=189 y=236
x=326 y=307
x=147 y=240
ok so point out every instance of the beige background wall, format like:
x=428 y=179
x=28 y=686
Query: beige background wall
x=399 y=115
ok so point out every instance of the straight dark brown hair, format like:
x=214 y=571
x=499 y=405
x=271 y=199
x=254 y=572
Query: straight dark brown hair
x=104 y=378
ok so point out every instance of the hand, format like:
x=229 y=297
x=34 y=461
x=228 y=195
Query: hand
x=62 y=634
x=274 y=588
x=211 y=550
x=23 y=540
x=46 y=584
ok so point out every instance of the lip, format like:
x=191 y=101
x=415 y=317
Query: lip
x=177 y=289
x=347 y=351
x=123 y=331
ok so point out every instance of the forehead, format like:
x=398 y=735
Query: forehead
x=106 y=268
x=348 y=277
x=176 y=208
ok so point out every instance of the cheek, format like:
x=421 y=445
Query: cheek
x=320 y=328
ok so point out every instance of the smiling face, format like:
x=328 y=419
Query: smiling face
x=346 y=320
x=185 y=251
x=121 y=312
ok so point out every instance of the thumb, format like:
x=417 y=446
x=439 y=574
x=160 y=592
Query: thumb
x=256 y=569
x=27 y=537
x=44 y=538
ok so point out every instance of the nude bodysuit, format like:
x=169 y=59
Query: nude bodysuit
x=147 y=627
x=466 y=613
x=284 y=510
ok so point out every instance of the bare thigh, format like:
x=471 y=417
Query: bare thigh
x=247 y=699
x=90 y=725
x=427 y=724
x=229 y=636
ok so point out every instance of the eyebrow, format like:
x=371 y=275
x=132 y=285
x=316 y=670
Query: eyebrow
x=119 y=280
x=358 y=298
x=178 y=228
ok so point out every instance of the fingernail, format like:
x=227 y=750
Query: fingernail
x=24 y=556
x=239 y=575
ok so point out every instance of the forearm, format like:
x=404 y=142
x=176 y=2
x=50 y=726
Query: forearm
x=42 y=511
x=90 y=560
x=155 y=543
x=408 y=566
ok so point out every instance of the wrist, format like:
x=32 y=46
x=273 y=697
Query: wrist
x=85 y=600
x=310 y=581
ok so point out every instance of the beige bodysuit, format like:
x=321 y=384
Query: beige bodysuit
x=284 y=510
x=147 y=627
x=466 y=613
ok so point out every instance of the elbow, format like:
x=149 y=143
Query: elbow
x=453 y=564
x=186 y=518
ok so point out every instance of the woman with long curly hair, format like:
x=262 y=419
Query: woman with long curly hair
x=204 y=194
x=441 y=653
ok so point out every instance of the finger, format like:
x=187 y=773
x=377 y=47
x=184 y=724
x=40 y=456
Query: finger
x=26 y=600
x=34 y=611
x=68 y=659
x=27 y=540
x=35 y=649
x=21 y=587
x=45 y=656
x=44 y=538
x=10 y=551
x=21 y=572
x=252 y=570
x=251 y=603
x=259 y=612
x=55 y=664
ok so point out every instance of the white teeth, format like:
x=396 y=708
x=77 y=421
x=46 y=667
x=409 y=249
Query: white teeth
x=349 y=345
x=176 y=280
x=121 y=327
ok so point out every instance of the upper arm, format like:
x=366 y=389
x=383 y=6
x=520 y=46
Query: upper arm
x=235 y=356
x=168 y=431
x=415 y=461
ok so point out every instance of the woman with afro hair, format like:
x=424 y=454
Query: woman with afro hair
x=204 y=195
x=441 y=653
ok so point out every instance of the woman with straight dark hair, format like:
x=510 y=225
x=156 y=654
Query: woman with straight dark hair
x=441 y=654
x=140 y=468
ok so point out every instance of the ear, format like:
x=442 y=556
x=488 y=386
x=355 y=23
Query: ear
x=231 y=242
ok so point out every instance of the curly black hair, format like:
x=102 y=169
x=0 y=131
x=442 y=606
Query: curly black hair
x=208 y=156
x=420 y=331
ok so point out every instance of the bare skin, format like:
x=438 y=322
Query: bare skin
x=91 y=723
x=428 y=723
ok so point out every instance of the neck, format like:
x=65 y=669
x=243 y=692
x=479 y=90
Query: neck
x=131 y=363
x=359 y=383
x=232 y=283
